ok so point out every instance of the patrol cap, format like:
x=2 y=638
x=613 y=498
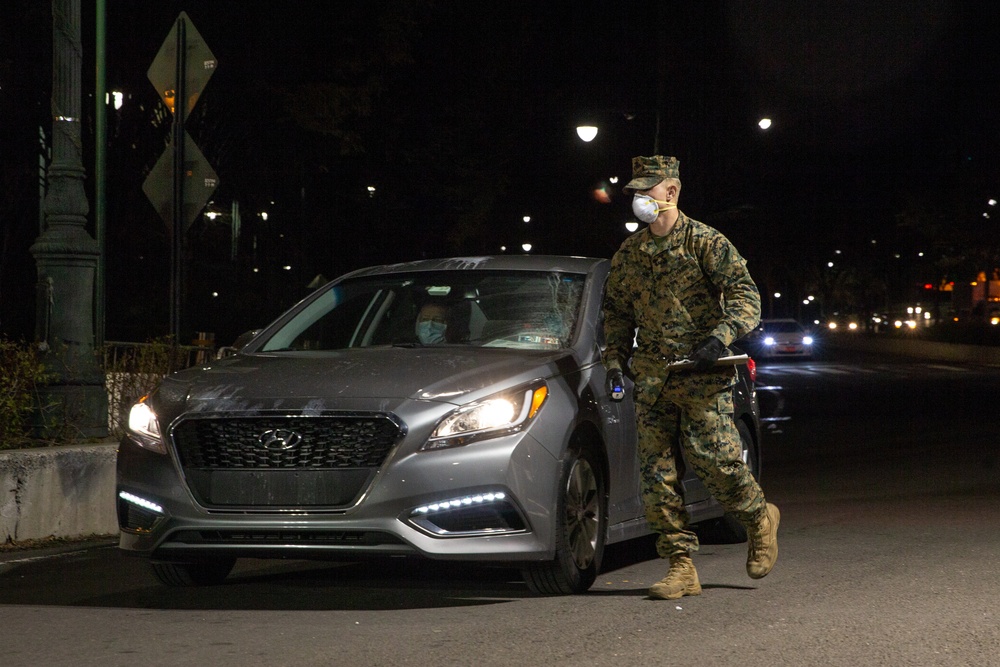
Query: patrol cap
x=648 y=171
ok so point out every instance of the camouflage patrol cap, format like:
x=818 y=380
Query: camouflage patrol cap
x=648 y=171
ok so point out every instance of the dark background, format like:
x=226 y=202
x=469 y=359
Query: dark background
x=882 y=156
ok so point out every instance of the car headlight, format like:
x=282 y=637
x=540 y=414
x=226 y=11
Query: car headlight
x=145 y=427
x=807 y=340
x=497 y=415
x=769 y=340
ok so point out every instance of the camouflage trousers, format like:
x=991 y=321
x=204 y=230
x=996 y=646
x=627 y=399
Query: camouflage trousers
x=700 y=427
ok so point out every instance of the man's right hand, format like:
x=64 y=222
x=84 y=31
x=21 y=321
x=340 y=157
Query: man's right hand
x=616 y=384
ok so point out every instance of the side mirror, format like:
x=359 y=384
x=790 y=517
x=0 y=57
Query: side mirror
x=238 y=344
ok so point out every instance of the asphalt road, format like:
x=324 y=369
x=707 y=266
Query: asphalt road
x=888 y=478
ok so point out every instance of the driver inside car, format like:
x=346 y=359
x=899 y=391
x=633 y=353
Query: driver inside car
x=432 y=323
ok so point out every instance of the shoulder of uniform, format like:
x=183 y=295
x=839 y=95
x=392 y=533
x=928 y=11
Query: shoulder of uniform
x=699 y=226
x=634 y=241
x=706 y=232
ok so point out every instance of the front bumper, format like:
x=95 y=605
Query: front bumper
x=488 y=501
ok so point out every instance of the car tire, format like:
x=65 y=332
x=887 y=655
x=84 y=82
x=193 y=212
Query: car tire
x=200 y=573
x=581 y=527
x=730 y=530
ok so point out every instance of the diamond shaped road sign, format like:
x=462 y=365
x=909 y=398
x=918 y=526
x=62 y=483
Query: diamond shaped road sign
x=199 y=61
x=200 y=181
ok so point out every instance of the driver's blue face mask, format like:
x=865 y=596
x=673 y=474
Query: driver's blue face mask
x=430 y=331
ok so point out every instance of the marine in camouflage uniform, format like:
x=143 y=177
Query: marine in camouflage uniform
x=672 y=294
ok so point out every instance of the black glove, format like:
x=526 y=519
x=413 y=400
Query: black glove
x=616 y=384
x=706 y=353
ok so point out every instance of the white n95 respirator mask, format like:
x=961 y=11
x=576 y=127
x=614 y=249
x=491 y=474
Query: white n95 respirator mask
x=647 y=209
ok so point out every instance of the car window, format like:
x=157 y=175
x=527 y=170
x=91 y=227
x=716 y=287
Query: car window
x=516 y=309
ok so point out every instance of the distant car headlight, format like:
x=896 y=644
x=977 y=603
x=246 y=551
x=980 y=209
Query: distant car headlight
x=769 y=340
x=145 y=428
x=807 y=340
x=497 y=415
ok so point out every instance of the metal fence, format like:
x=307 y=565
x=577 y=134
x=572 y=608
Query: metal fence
x=132 y=370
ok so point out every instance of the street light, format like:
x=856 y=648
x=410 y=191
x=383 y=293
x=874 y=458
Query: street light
x=586 y=132
x=631 y=225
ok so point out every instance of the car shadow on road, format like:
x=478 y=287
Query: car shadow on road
x=103 y=577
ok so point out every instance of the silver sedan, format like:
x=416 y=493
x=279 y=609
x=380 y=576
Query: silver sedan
x=448 y=409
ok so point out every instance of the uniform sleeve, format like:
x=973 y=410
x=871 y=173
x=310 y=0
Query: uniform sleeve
x=619 y=323
x=727 y=270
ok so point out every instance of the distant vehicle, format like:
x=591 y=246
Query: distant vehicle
x=335 y=432
x=781 y=338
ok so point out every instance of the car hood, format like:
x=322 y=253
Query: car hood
x=351 y=379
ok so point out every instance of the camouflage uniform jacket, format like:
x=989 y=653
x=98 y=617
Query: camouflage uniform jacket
x=670 y=296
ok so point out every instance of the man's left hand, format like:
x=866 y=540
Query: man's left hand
x=706 y=353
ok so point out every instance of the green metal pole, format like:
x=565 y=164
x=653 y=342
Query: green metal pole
x=100 y=178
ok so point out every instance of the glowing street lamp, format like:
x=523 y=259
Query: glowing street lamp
x=586 y=132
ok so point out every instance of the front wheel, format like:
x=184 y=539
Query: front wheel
x=581 y=524
x=200 y=573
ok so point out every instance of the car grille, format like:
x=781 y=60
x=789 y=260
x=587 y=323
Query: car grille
x=283 y=461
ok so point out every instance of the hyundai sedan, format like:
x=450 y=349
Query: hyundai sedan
x=451 y=409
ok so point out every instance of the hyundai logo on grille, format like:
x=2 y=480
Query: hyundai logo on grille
x=279 y=439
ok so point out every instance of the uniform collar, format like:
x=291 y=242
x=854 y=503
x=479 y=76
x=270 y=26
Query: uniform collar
x=652 y=244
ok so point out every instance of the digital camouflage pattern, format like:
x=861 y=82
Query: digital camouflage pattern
x=668 y=297
x=702 y=428
x=648 y=171
x=677 y=293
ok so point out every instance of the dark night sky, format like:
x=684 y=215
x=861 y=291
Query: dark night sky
x=472 y=127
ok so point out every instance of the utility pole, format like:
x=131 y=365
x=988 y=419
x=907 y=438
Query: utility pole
x=66 y=255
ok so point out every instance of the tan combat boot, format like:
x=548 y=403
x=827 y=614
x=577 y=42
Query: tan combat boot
x=681 y=580
x=762 y=543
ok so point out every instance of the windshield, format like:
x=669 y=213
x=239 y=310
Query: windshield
x=782 y=327
x=518 y=309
